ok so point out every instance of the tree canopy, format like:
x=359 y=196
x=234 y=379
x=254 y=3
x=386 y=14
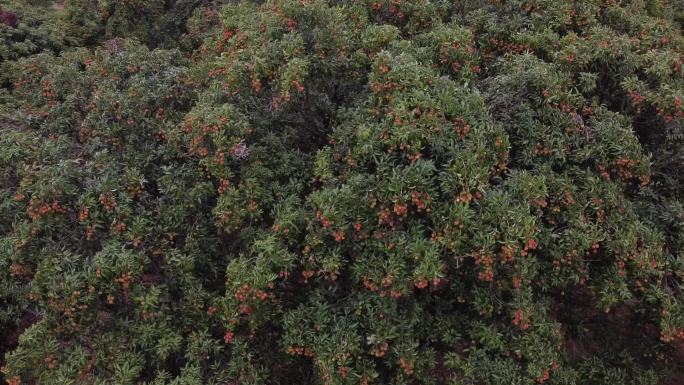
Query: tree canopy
x=341 y=192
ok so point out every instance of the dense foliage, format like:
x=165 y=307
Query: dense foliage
x=342 y=192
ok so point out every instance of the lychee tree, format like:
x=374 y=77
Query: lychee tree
x=347 y=192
